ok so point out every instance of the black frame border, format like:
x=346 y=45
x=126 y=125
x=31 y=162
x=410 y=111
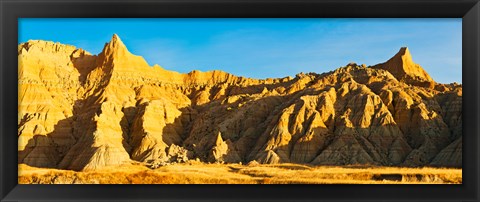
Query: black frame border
x=11 y=10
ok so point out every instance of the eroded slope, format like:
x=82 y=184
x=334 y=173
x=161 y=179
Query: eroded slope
x=80 y=111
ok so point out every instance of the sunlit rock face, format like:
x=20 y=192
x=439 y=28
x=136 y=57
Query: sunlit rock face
x=81 y=111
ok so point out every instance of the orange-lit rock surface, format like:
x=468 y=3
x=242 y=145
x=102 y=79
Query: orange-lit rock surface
x=81 y=111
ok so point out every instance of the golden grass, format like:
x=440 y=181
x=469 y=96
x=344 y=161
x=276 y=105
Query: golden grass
x=200 y=173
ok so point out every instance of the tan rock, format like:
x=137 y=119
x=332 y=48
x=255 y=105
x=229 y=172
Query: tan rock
x=450 y=156
x=154 y=129
x=404 y=69
x=224 y=151
x=81 y=111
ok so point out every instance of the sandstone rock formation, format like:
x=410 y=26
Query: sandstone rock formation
x=81 y=111
x=404 y=69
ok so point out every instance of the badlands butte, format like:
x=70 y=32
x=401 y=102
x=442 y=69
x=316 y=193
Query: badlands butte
x=82 y=112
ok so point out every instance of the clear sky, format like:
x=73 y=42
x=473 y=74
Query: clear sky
x=262 y=48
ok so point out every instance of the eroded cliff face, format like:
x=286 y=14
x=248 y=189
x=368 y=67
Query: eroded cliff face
x=81 y=111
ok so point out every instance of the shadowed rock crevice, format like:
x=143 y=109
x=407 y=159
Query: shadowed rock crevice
x=47 y=150
x=84 y=62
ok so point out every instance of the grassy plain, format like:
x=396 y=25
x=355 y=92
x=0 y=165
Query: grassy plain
x=201 y=173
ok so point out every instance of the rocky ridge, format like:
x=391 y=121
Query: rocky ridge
x=81 y=111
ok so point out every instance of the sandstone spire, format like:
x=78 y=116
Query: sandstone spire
x=115 y=50
x=115 y=53
x=402 y=67
x=219 y=139
x=115 y=46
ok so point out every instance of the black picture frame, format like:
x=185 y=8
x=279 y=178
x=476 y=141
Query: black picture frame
x=11 y=10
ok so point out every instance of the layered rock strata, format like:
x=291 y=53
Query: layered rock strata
x=81 y=111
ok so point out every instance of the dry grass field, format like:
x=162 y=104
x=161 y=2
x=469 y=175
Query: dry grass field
x=201 y=173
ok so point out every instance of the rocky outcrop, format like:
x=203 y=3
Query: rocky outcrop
x=81 y=111
x=223 y=151
x=450 y=156
x=151 y=134
x=404 y=69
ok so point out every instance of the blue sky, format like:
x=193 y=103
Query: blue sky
x=262 y=48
